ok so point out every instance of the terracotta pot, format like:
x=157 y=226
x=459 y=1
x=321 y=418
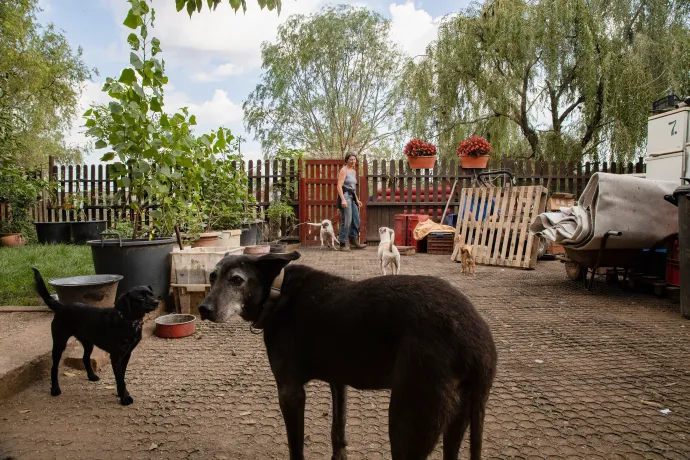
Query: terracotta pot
x=257 y=250
x=13 y=240
x=207 y=239
x=474 y=161
x=421 y=162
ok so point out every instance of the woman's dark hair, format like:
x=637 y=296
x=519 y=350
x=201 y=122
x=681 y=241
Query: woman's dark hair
x=350 y=154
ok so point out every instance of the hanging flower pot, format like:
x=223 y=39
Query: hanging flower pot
x=474 y=161
x=474 y=153
x=420 y=154
x=421 y=162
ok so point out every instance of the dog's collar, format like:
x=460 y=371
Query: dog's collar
x=273 y=297
x=277 y=285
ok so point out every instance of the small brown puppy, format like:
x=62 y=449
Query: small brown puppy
x=466 y=257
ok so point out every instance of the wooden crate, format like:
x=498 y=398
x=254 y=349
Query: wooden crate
x=440 y=243
x=189 y=296
x=501 y=229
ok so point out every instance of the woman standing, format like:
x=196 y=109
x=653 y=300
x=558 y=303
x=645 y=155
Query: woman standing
x=349 y=204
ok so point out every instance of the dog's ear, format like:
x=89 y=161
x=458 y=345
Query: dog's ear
x=123 y=304
x=150 y=288
x=272 y=264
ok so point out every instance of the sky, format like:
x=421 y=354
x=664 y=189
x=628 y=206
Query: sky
x=213 y=60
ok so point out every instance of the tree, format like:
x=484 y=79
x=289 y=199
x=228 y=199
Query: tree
x=157 y=156
x=331 y=84
x=196 y=5
x=40 y=84
x=552 y=79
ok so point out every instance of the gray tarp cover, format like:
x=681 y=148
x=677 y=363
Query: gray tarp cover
x=631 y=205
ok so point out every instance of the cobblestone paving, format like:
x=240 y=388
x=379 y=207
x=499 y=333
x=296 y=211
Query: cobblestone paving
x=581 y=375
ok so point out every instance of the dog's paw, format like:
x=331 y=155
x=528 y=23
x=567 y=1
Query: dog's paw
x=94 y=378
x=340 y=455
x=55 y=391
x=126 y=400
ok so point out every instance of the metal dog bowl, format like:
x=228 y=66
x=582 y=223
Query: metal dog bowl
x=97 y=290
x=175 y=326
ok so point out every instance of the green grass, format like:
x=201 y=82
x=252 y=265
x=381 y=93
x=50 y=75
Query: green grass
x=54 y=261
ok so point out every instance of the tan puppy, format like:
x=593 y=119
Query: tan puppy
x=466 y=257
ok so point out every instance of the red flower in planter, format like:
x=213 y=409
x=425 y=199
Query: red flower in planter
x=419 y=148
x=474 y=146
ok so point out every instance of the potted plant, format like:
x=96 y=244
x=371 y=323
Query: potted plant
x=53 y=232
x=420 y=154
x=225 y=198
x=474 y=152
x=20 y=192
x=157 y=160
x=83 y=229
x=278 y=210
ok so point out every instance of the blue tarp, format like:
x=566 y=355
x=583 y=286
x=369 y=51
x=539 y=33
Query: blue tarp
x=480 y=206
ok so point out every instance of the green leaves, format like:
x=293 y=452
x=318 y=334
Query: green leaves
x=196 y=5
x=161 y=161
x=115 y=108
x=155 y=46
x=132 y=20
x=127 y=77
x=136 y=61
x=155 y=105
x=133 y=41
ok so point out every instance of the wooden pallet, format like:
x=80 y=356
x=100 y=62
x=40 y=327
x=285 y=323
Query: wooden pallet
x=501 y=239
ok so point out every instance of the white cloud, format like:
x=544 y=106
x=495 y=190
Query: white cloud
x=91 y=94
x=223 y=34
x=413 y=29
x=221 y=72
x=216 y=46
x=210 y=114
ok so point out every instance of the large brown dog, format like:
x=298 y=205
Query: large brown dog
x=416 y=335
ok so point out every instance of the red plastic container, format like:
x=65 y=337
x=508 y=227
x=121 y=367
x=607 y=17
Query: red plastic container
x=412 y=221
x=399 y=229
x=673 y=265
x=175 y=326
x=673 y=272
x=404 y=230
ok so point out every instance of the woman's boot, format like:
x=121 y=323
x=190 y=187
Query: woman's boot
x=356 y=244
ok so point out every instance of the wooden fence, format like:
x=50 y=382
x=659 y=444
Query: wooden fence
x=393 y=187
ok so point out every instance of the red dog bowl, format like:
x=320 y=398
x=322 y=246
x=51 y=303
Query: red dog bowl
x=175 y=326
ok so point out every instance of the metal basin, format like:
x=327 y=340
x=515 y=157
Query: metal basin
x=97 y=290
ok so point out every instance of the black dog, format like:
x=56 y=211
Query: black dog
x=115 y=330
x=416 y=335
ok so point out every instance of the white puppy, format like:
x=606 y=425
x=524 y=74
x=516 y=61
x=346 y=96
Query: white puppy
x=388 y=253
x=326 y=232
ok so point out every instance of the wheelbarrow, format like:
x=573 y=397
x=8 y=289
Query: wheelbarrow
x=579 y=263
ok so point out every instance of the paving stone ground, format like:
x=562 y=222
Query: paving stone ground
x=581 y=375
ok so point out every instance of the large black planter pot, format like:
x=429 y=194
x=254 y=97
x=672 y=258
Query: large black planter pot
x=53 y=232
x=251 y=233
x=85 y=231
x=141 y=262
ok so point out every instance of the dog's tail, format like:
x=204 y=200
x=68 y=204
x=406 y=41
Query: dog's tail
x=43 y=291
x=313 y=224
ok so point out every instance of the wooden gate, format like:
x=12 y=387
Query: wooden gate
x=318 y=196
